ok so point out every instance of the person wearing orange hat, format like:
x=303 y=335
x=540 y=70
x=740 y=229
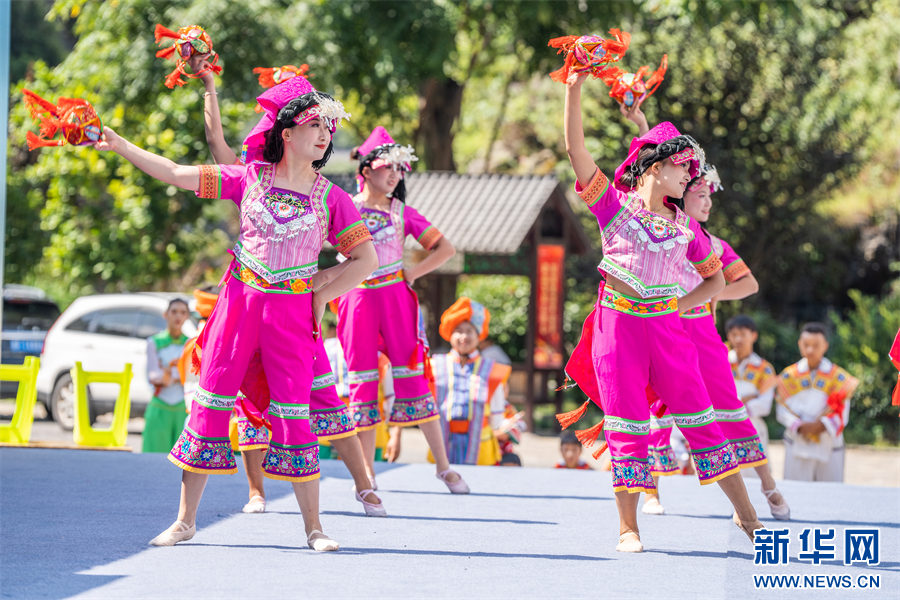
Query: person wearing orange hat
x=470 y=390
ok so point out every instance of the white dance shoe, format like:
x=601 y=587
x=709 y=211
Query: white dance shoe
x=178 y=532
x=320 y=542
x=257 y=504
x=372 y=510
x=781 y=512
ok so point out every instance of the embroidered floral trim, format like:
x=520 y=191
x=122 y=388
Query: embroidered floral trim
x=384 y=280
x=250 y=436
x=362 y=376
x=631 y=474
x=595 y=189
x=247 y=259
x=214 y=401
x=749 y=451
x=414 y=410
x=661 y=460
x=696 y=419
x=430 y=237
x=288 y=411
x=640 y=308
x=684 y=156
x=292 y=462
x=708 y=266
x=210 y=182
x=366 y=414
x=331 y=422
x=606 y=265
x=732 y=416
x=352 y=237
x=698 y=311
x=626 y=426
x=323 y=381
x=301 y=285
x=736 y=270
x=403 y=372
x=713 y=464
x=663 y=422
x=198 y=454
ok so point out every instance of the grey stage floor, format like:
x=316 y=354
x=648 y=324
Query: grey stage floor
x=76 y=524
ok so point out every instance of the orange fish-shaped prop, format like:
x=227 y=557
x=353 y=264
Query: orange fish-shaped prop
x=590 y=54
x=272 y=76
x=188 y=41
x=74 y=117
x=630 y=88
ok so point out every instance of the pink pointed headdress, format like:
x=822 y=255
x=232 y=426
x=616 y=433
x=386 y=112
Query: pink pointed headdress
x=276 y=98
x=393 y=154
x=661 y=133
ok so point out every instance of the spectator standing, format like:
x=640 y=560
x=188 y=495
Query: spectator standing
x=164 y=418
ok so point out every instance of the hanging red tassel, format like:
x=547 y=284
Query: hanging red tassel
x=49 y=126
x=166 y=52
x=174 y=78
x=569 y=418
x=37 y=105
x=36 y=142
x=195 y=360
x=602 y=449
x=160 y=32
x=587 y=437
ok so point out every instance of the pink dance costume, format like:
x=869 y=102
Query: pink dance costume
x=630 y=342
x=266 y=308
x=715 y=368
x=383 y=313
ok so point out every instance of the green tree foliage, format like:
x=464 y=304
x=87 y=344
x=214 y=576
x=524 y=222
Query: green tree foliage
x=506 y=297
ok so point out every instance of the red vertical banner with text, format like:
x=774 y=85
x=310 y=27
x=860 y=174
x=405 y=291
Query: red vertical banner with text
x=548 y=344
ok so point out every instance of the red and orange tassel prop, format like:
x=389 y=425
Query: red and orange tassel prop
x=590 y=54
x=188 y=42
x=587 y=437
x=602 y=449
x=74 y=117
x=572 y=417
x=630 y=88
x=272 y=76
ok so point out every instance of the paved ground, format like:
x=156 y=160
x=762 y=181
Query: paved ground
x=865 y=465
x=76 y=524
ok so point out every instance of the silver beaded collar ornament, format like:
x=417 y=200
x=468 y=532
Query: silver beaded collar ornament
x=330 y=111
x=394 y=155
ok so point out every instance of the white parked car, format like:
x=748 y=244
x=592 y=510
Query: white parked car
x=103 y=332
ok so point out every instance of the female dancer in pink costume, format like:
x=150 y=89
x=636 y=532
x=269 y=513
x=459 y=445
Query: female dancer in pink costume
x=700 y=325
x=383 y=312
x=330 y=418
x=634 y=337
x=268 y=304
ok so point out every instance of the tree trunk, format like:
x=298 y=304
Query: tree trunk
x=440 y=104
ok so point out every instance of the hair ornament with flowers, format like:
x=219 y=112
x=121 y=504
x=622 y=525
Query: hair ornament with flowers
x=590 y=54
x=188 y=42
x=74 y=117
x=630 y=88
x=330 y=111
x=680 y=149
x=399 y=158
x=709 y=176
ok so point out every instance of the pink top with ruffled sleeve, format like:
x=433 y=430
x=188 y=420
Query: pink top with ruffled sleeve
x=389 y=231
x=641 y=248
x=282 y=232
x=733 y=266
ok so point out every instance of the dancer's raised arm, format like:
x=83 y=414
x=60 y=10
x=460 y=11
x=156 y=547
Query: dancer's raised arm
x=212 y=118
x=581 y=159
x=184 y=176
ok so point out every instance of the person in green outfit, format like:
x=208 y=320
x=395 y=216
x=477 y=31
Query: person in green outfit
x=164 y=418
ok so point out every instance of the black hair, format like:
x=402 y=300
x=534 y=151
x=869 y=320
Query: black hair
x=511 y=459
x=568 y=437
x=366 y=161
x=815 y=327
x=273 y=150
x=649 y=155
x=174 y=301
x=210 y=289
x=740 y=322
